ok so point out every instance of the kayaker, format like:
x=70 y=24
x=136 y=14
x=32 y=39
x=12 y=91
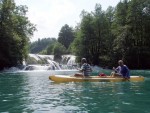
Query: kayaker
x=85 y=69
x=121 y=71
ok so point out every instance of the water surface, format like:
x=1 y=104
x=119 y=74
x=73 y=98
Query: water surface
x=33 y=92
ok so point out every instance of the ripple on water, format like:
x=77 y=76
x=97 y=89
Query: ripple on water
x=36 y=93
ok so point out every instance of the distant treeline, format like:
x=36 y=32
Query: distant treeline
x=53 y=46
x=103 y=37
x=41 y=45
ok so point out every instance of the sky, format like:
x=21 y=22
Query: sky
x=50 y=15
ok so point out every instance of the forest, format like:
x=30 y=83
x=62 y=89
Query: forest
x=101 y=36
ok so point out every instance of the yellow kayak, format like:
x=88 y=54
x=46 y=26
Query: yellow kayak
x=66 y=78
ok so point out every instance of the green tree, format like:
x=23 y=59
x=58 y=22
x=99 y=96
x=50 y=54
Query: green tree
x=109 y=15
x=58 y=50
x=120 y=31
x=138 y=20
x=16 y=30
x=42 y=45
x=66 y=36
x=50 y=49
x=93 y=36
x=102 y=35
x=131 y=31
x=83 y=35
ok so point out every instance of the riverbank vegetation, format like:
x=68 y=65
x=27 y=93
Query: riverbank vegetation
x=102 y=36
x=15 y=31
x=117 y=33
x=120 y=32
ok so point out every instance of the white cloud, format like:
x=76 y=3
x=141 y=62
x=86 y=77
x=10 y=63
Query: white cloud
x=50 y=15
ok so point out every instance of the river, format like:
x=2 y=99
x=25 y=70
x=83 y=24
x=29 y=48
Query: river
x=33 y=92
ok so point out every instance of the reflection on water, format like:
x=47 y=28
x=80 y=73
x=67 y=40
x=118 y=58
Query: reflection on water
x=34 y=92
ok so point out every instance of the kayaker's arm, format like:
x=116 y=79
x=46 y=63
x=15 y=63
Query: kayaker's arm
x=116 y=69
x=80 y=69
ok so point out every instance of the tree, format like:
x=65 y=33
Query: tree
x=58 y=50
x=109 y=15
x=120 y=31
x=138 y=20
x=82 y=42
x=42 y=45
x=16 y=30
x=102 y=36
x=50 y=49
x=92 y=38
x=131 y=31
x=66 y=36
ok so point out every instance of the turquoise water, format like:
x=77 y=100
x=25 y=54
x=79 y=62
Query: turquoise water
x=35 y=93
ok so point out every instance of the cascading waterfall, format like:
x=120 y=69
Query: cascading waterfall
x=46 y=62
x=38 y=63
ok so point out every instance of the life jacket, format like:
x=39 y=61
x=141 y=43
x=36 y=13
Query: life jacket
x=102 y=75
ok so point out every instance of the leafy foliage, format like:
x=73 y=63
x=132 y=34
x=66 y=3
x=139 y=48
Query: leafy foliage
x=41 y=45
x=59 y=50
x=66 y=36
x=92 y=39
x=15 y=31
x=104 y=37
x=132 y=36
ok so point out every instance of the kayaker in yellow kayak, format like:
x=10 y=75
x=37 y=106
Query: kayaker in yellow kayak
x=121 y=71
x=85 y=69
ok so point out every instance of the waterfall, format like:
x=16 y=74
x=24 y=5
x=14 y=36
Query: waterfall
x=46 y=62
x=69 y=61
x=38 y=63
